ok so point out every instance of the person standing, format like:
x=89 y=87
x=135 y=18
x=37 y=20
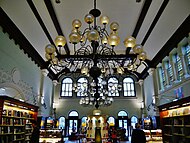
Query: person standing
x=35 y=133
x=138 y=135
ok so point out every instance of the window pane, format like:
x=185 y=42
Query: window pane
x=134 y=120
x=187 y=55
x=163 y=77
x=62 y=123
x=67 y=86
x=84 y=119
x=111 y=121
x=82 y=84
x=170 y=72
x=73 y=113
x=122 y=113
x=129 y=87
x=179 y=67
x=113 y=87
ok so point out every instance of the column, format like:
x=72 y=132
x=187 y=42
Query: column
x=156 y=91
x=53 y=110
x=43 y=74
x=143 y=109
x=157 y=79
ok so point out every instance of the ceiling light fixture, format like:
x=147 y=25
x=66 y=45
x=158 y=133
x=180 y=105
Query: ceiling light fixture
x=94 y=53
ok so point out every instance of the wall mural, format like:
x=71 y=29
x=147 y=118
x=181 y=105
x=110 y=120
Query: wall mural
x=11 y=85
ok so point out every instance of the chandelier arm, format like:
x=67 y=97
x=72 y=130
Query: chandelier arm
x=84 y=50
x=104 y=31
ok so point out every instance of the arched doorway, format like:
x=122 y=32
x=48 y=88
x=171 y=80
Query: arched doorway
x=122 y=118
x=73 y=122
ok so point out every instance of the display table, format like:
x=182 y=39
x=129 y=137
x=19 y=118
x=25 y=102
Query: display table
x=50 y=140
x=50 y=136
x=153 y=135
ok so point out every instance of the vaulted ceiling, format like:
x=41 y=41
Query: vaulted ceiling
x=158 y=25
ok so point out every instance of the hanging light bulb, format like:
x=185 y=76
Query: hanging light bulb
x=74 y=37
x=89 y=18
x=104 y=40
x=113 y=40
x=138 y=49
x=130 y=42
x=142 y=56
x=114 y=26
x=55 y=61
x=92 y=35
x=104 y=20
x=76 y=23
x=50 y=49
x=60 y=41
x=84 y=70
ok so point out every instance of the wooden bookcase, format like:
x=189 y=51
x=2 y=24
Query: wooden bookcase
x=15 y=120
x=97 y=121
x=175 y=121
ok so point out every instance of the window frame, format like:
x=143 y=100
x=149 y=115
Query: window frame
x=179 y=67
x=127 y=85
x=69 y=92
x=80 y=94
x=116 y=94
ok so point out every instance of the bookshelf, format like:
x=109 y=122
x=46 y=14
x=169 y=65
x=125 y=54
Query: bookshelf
x=175 y=120
x=99 y=121
x=15 y=120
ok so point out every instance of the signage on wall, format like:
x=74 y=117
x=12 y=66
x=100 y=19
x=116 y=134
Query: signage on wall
x=179 y=93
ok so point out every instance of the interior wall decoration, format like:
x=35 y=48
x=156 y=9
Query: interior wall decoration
x=16 y=88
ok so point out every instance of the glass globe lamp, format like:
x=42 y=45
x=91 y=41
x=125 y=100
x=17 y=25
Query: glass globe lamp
x=76 y=23
x=130 y=42
x=60 y=41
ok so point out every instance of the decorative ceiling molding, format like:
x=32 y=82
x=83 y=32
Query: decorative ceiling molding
x=55 y=22
x=35 y=12
x=141 y=17
x=162 y=8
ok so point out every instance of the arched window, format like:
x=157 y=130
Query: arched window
x=82 y=86
x=111 y=121
x=62 y=123
x=66 y=88
x=122 y=113
x=134 y=120
x=73 y=113
x=129 y=87
x=113 y=87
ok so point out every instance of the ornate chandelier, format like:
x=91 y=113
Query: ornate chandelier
x=94 y=53
x=100 y=99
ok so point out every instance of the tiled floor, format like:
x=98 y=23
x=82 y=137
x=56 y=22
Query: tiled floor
x=78 y=141
x=119 y=142
x=67 y=141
